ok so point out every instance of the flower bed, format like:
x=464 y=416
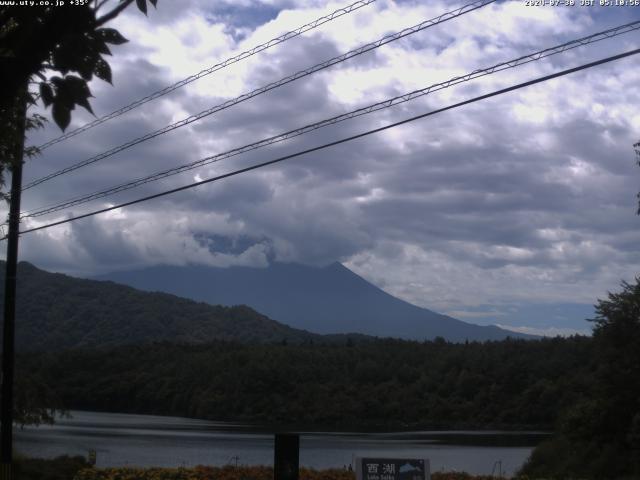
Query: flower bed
x=233 y=473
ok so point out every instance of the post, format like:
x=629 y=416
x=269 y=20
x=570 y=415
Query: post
x=8 y=332
x=286 y=456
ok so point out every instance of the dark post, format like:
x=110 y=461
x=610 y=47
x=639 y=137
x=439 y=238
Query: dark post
x=6 y=404
x=286 y=458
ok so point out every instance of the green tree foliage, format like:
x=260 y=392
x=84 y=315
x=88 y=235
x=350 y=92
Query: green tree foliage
x=60 y=468
x=600 y=436
x=35 y=402
x=392 y=383
x=57 y=50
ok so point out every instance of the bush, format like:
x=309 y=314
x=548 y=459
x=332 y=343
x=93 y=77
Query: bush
x=61 y=468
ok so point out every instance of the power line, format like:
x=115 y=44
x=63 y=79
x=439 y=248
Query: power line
x=79 y=200
x=300 y=74
x=218 y=66
x=338 y=142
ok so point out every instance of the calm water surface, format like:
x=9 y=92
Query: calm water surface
x=144 y=440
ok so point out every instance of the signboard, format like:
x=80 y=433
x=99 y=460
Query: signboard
x=392 y=469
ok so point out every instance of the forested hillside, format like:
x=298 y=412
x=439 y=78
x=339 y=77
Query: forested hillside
x=512 y=383
x=55 y=311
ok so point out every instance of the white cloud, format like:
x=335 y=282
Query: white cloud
x=547 y=332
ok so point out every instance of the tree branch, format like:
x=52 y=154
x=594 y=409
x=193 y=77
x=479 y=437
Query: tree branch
x=99 y=4
x=113 y=13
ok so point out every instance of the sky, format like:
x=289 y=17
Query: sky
x=519 y=210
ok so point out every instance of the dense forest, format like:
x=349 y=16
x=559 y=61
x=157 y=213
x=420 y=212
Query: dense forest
x=393 y=383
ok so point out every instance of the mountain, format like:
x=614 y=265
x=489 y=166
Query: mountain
x=55 y=311
x=325 y=300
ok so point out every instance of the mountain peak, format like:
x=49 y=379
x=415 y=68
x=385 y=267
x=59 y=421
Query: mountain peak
x=325 y=300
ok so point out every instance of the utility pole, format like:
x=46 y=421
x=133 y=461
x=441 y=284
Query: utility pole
x=286 y=461
x=8 y=331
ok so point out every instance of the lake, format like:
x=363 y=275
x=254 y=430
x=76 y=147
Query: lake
x=145 y=440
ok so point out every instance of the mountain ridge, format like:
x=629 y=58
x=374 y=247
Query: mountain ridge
x=323 y=300
x=56 y=311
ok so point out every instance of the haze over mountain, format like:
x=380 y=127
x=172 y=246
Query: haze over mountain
x=325 y=300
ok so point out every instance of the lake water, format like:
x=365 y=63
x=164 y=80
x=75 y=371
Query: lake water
x=144 y=440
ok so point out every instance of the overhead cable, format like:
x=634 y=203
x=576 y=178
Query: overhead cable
x=246 y=96
x=337 y=142
x=79 y=200
x=207 y=71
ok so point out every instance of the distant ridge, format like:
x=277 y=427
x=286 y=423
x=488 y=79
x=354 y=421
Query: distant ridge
x=328 y=300
x=56 y=312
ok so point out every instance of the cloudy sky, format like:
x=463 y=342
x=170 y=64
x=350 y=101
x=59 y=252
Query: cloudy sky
x=519 y=210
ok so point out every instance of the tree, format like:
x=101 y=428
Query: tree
x=57 y=49
x=617 y=339
x=600 y=436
